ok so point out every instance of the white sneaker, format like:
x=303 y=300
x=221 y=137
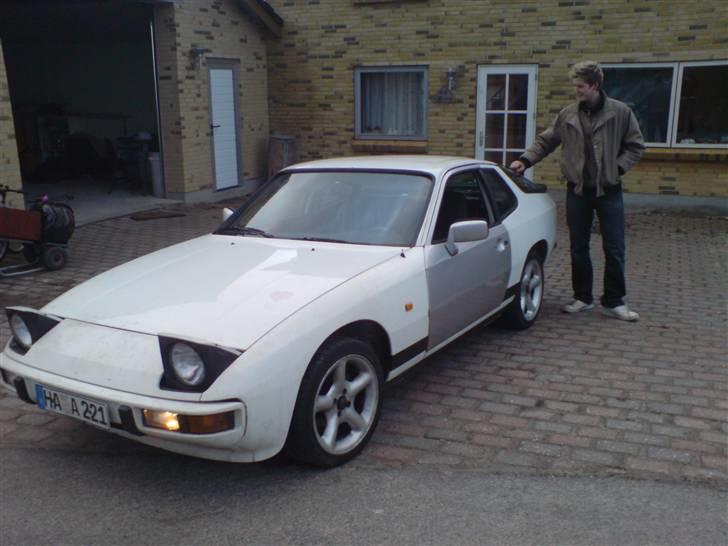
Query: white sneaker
x=576 y=306
x=621 y=312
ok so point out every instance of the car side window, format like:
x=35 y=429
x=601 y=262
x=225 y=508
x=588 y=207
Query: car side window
x=463 y=200
x=504 y=202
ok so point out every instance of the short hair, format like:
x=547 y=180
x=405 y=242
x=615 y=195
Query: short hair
x=588 y=71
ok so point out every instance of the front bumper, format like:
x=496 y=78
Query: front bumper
x=126 y=412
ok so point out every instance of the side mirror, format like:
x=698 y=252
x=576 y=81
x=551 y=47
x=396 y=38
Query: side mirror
x=226 y=213
x=464 y=232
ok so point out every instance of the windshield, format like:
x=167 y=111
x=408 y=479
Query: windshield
x=373 y=208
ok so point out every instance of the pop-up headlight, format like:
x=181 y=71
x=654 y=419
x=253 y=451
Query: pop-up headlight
x=27 y=326
x=192 y=366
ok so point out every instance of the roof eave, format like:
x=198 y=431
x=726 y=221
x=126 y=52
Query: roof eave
x=264 y=13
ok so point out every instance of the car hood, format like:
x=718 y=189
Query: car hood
x=217 y=289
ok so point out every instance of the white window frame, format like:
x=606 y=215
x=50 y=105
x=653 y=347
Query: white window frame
x=674 y=113
x=358 y=71
x=484 y=71
x=679 y=78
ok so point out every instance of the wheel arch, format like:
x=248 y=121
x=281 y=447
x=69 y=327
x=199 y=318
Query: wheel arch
x=370 y=332
x=540 y=249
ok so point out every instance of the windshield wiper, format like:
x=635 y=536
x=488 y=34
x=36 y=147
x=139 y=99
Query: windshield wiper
x=246 y=231
x=323 y=240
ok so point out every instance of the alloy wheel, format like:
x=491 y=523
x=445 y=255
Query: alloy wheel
x=346 y=404
x=531 y=289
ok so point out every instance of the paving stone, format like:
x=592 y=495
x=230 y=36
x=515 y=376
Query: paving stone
x=647 y=465
x=9 y=415
x=35 y=419
x=549 y=450
x=669 y=454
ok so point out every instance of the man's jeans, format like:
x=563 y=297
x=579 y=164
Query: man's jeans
x=580 y=216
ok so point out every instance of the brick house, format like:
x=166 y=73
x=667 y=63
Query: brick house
x=86 y=85
x=449 y=65
x=210 y=80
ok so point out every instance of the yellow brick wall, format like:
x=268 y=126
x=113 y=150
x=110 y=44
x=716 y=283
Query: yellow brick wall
x=225 y=32
x=9 y=163
x=312 y=65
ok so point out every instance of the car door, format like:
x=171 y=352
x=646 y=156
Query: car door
x=472 y=283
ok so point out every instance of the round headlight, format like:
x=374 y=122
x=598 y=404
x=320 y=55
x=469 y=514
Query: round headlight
x=187 y=364
x=20 y=330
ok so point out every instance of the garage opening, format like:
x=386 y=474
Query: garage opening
x=82 y=84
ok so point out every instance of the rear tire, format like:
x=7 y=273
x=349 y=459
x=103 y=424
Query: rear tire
x=338 y=405
x=523 y=311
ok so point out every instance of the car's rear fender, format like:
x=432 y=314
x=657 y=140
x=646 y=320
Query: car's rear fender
x=533 y=222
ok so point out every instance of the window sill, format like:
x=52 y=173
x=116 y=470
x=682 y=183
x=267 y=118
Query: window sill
x=686 y=154
x=390 y=146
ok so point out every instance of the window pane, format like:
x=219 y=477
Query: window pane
x=646 y=90
x=501 y=196
x=516 y=131
x=494 y=156
x=511 y=156
x=518 y=92
x=496 y=99
x=392 y=104
x=462 y=200
x=494 y=130
x=703 y=105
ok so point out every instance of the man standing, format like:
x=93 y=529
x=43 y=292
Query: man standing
x=600 y=140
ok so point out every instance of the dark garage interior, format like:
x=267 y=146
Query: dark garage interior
x=82 y=89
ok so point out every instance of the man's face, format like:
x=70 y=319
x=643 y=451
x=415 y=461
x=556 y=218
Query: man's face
x=583 y=91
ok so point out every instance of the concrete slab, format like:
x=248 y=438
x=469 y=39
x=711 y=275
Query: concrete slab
x=92 y=201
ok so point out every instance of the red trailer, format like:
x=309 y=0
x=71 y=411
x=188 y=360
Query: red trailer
x=32 y=231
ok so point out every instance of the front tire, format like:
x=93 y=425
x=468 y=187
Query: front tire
x=523 y=311
x=54 y=257
x=338 y=404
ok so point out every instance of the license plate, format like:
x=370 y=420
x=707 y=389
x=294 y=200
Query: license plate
x=92 y=412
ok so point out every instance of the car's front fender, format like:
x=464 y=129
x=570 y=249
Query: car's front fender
x=268 y=375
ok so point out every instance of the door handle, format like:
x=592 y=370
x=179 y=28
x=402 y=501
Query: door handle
x=214 y=126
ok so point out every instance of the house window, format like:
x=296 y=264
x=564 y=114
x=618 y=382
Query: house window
x=676 y=104
x=391 y=102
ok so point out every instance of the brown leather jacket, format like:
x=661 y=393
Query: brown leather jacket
x=617 y=140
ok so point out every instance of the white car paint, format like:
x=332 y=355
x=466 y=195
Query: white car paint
x=275 y=300
x=223 y=289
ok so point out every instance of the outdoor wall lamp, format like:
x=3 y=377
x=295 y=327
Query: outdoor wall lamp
x=445 y=94
x=450 y=74
x=196 y=53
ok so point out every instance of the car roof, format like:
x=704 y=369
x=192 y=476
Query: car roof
x=431 y=164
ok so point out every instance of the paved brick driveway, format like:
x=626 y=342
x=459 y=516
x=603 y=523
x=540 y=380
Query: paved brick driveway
x=574 y=394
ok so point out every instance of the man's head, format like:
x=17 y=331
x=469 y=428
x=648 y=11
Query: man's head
x=587 y=79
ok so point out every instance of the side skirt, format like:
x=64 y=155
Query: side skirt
x=400 y=365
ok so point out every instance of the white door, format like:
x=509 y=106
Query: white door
x=506 y=112
x=224 y=127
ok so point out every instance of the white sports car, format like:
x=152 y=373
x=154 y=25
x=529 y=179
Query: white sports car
x=279 y=330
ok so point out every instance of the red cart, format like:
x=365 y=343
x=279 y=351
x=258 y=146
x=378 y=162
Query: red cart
x=37 y=232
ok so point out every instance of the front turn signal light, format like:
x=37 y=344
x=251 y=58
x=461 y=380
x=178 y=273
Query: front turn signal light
x=189 y=424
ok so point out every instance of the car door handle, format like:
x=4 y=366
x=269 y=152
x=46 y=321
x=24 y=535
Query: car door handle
x=214 y=126
x=502 y=244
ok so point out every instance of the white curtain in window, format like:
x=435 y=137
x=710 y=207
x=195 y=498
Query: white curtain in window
x=392 y=103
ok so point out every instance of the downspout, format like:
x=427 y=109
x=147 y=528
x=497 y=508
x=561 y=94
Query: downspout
x=160 y=139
